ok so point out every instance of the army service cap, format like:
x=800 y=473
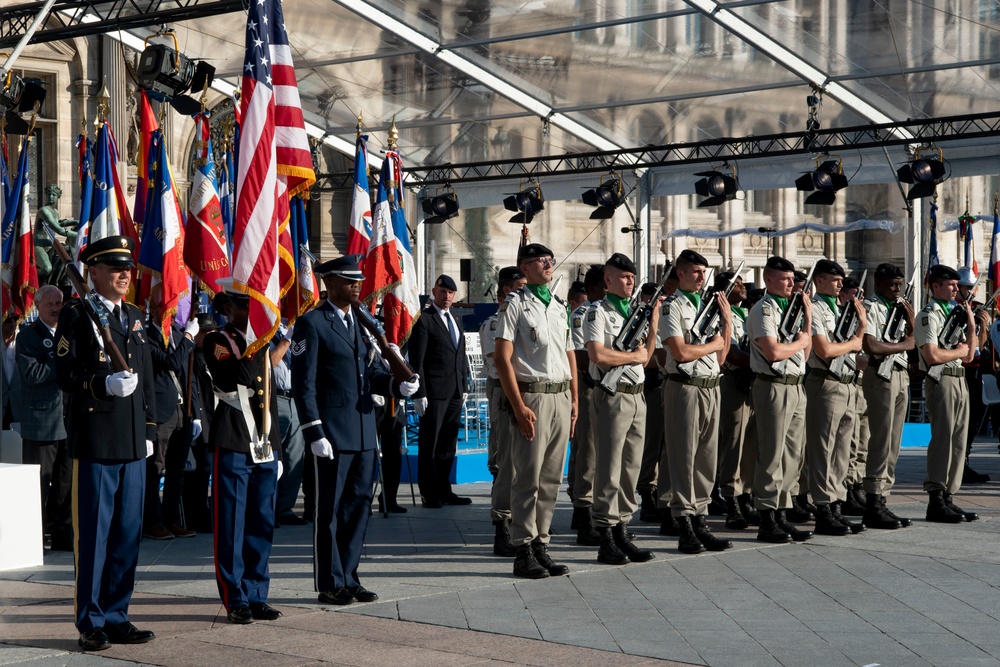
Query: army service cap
x=111 y=250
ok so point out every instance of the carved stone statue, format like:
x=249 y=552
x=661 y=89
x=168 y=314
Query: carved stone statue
x=48 y=216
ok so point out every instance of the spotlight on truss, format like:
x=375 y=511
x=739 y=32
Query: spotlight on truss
x=824 y=183
x=923 y=174
x=717 y=186
x=19 y=95
x=607 y=196
x=527 y=202
x=166 y=74
x=441 y=207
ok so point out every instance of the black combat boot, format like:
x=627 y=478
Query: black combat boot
x=903 y=521
x=801 y=510
x=687 y=541
x=853 y=505
x=622 y=540
x=854 y=526
x=968 y=516
x=705 y=536
x=648 y=511
x=769 y=530
x=734 y=517
x=797 y=535
x=585 y=534
x=876 y=515
x=938 y=511
x=668 y=526
x=542 y=556
x=501 y=541
x=609 y=553
x=970 y=476
x=827 y=524
x=750 y=512
x=526 y=565
x=716 y=504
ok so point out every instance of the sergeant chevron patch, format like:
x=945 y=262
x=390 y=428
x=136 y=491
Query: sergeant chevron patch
x=298 y=347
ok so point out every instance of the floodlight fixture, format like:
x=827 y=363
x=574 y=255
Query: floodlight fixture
x=166 y=74
x=717 y=186
x=923 y=174
x=824 y=183
x=527 y=202
x=19 y=95
x=440 y=207
x=607 y=196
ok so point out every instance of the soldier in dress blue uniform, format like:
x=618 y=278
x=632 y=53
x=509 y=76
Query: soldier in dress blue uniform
x=244 y=476
x=111 y=429
x=335 y=371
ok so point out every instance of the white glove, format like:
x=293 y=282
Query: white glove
x=192 y=328
x=281 y=469
x=322 y=448
x=195 y=429
x=121 y=384
x=393 y=346
x=420 y=404
x=378 y=400
x=149 y=448
x=409 y=388
x=289 y=331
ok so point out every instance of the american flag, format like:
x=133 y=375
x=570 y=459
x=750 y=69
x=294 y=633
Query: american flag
x=274 y=162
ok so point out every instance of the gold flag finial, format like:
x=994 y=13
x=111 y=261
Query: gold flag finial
x=103 y=108
x=393 y=134
x=360 y=122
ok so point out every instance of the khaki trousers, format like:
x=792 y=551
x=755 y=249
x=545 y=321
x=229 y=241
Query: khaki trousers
x=734 y=413
x=780 y=411
x=500 y=454
x=692 y=445
x=619 y=436
x=887 y=403
x=862 y=436
x=948 y=407
x=537 y=466
x=829 y=431
x=652 y=449
x=582 y=474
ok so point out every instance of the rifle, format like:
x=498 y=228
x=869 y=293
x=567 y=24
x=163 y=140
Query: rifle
x=632 y=332
x=791 y=320
x=847 y=326
x=707 y=320
x=894 y=329
x=953 y=332
x=98 y=313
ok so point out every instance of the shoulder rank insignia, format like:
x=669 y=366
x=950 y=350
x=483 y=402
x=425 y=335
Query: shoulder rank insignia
x=503 y=306
x=493 y=325
x=221 y=352
x=62 y=349
x=766 y=310
x=577 y=321
x=925 y=320
x=592 y=315
x=298 y=347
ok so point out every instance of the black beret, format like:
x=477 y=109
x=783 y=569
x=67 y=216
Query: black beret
x=850 y=283
x=801 y=276
x=509 y=273
x=827 y=266
x=446 y=282
x=887 y=270
x=648 y=289
x=533 y=250
x=940 y=272
x=577 y=287
x=347 y=267
x=722 y=279
x=692 y=257
x=621 y=262
x=111 y=250
x=779 y=264
x=594 y=276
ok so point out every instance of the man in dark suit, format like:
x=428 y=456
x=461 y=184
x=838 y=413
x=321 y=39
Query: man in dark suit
x=437 y=354
x=244 y=475
x=111 y=429
x=38 y=406
x=335 y=371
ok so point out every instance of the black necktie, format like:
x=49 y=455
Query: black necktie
x=117 y=312
x=451 y=329
x=349 y=321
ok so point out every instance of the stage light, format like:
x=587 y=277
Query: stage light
x=607 y=196
x=717 y=186
x=441 y=207
x=824 y=182
x=923 y=174
x=527 y=203
x=166 y=75
x=19 y=95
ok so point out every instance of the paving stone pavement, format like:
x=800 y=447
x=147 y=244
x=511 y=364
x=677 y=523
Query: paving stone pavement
x=925 y=595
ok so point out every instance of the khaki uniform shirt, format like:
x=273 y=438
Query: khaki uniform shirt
x=736 y=340
x=763 y=322
x=927 y=329
x=576 y=326
x=824 y=323
x=877 y=314
x=487 y=338
x=677 y=320
x=540 y=335
x=603 y=322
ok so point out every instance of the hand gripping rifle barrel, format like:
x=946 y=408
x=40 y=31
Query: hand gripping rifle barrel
x=847 y=326
x=895 y=328
x=98 y=313
x=707 y=320
x=631 y=335
x=791 y=321
x=953 y=332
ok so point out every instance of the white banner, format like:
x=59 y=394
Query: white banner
x=885 y=225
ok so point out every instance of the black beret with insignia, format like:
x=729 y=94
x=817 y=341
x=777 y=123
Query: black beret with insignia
x=446 y=282
x=851 y=283
x=887 y=270
x=347 y=267
x=827 y=266
x=722 y=280
x=622 y=263
x=692 y=257
x=533 y=251
x=648 y=289
x=801 y=276
x=111 y=250
x=577 y=287
x=779 y=264
x=940 y=272
x=595 y=276
x=509 y=274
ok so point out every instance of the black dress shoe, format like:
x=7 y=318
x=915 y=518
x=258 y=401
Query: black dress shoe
x=338 y=596
x=362 y=594
x=262 y=611
x=94 y=640
x=291 y=520
x=455 y=500
x=430 y=503
x=240 y=616
x=395 y=508
x=126 y=633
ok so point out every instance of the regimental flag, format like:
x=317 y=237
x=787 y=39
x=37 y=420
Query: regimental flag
x=205 y=235
x=994 y=250
x=305 y=295
x=105 y=218
x=401 y=305
x=226 y=200
x=965 y=222
x=9 y=228
x=382 y=267
x=932 y=253
x=359 y=233
x=165 y=278
x=147 y=125
x=85 y=148
x=272 y=145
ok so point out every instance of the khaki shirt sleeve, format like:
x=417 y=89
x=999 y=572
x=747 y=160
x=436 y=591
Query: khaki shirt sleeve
x=673 y=324
x=928 y=327
x=507 y=319
x=593 y=324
